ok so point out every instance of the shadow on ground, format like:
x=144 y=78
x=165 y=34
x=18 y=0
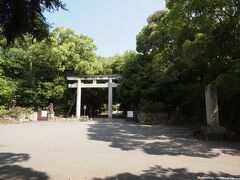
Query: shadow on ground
x=8 y=171
x=156 y=140
x=158 y=172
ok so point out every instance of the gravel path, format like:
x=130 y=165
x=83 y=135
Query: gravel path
x=114 y=150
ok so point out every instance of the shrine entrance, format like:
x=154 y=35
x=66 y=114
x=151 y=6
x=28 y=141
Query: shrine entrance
x=95 y=81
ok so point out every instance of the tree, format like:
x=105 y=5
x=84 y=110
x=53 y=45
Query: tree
x=33 y=73
x=39 y=68
x=7 y=87
x=64 y=53
x=19 y=17
x=184 y=48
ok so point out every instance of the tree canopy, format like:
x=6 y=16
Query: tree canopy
x=33 y=73
x=20 y=17
x=181 y=50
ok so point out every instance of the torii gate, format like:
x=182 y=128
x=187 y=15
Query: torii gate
x=109 y=83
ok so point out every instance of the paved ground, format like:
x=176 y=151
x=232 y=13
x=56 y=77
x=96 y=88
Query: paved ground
x=111 y=150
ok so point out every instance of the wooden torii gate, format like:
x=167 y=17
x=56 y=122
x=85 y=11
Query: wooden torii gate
x=107 y=81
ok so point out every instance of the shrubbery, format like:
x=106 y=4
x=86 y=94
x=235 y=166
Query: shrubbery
x=15 y=112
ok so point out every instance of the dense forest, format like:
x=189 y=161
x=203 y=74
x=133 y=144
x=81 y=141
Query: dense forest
x=182 y=49
x=33 y=73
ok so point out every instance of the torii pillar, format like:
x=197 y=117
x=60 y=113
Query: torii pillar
x=80 y=84
x=78 y=102
x=110 y=98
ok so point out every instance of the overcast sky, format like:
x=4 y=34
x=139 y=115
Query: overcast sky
x=113 y=24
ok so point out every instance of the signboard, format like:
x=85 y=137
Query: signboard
x=130 y=114
x=44 y=114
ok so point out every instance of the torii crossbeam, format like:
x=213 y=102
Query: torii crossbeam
x=107 y=81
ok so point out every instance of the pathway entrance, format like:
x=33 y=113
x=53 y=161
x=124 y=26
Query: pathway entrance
x=95 y=81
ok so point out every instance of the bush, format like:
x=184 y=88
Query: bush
x=151 y=107
x=2 y=111
x=16 y=112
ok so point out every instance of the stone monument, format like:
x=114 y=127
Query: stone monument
x=212 y=113
x=50 y=111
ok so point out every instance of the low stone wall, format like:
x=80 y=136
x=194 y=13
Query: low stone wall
x=152 y=118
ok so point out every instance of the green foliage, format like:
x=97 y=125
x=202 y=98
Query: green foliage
x=7 y=85
x=2 y=111
x=66 y=52
x=26 y=17
x=182 y=49
x=33 y=74
x=8 y=90
x=15 y=112
x=229 y=103
x=151 y=107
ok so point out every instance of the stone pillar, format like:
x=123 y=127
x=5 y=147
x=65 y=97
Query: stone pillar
x=110 y=98
x=78 y=103
x=212 y=106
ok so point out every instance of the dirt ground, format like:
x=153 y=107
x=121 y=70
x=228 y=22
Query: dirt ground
x=111 y=150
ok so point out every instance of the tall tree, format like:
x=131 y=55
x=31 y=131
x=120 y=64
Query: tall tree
x=184 y=48
x=19 y=17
